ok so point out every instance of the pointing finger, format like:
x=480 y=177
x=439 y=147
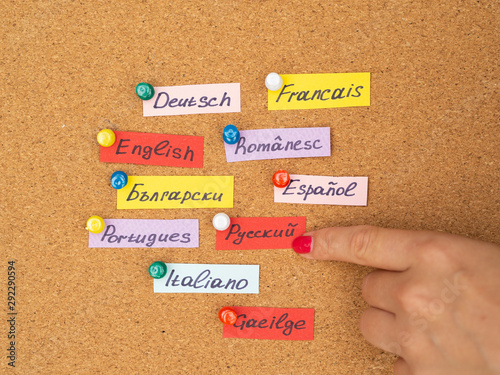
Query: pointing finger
x=388 y=249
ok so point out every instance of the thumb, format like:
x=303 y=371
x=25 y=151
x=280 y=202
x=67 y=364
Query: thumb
x=389 y=249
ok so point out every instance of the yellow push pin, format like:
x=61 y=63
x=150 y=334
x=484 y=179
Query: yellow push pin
x=106 y=138
x=95 y=224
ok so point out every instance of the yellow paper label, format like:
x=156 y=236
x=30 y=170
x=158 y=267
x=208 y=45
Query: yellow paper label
x=143 y=192
x=310 y=91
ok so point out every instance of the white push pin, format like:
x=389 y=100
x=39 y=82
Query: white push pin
x=221 y=221
x=274 y=81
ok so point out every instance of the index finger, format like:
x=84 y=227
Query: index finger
x=389 y=249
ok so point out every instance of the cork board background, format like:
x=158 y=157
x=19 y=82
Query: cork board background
x=429 y=144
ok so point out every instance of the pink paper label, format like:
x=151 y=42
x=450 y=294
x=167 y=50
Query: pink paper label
x=193 y=99
x=345 y=191
x=147 y=233
x=279 y=144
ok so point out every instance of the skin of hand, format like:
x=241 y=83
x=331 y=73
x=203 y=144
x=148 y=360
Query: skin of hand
x=434 y=298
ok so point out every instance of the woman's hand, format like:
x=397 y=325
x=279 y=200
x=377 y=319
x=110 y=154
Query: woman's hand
x=435 y=297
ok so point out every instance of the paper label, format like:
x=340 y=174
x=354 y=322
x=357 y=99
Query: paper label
x=246 y=233
x=209 y=278
x=155 y=149
x=143 y=192
x=346 y=191
x=279 y=144
x=147 y=233
x=271 y=324
x=193 y=99
x=309 y=91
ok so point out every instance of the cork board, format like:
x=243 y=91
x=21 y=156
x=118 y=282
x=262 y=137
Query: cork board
x=428 y=143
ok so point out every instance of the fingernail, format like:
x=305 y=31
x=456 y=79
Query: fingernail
x=302 y=244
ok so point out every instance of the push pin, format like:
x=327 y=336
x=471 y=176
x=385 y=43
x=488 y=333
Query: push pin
x=281 y=179
x=95 y=224
x=145 y=91
x=119 y=180
x=221 y=221
x=274 y=81
x=157 y=270
x=228 y=316
x=231 y=134
x=106 y=138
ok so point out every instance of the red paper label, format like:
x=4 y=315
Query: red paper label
x=271 y=323
x=155 y=149
x=247 y=233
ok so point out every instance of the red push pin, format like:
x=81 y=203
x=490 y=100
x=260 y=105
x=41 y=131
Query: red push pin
x=281 y=179
x=228 y=316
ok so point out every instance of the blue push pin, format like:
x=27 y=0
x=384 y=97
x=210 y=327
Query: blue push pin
x=231 y=134
x=119 y=180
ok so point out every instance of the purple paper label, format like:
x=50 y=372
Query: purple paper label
x=147 y=233
x=263 y=144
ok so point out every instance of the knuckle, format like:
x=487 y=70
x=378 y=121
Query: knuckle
x=365 y=287
x=394 y=347
x=361 y=241
x=436 y=252
x=410 y=298
x=400 y=366
x=372 y=286
x=365 y=323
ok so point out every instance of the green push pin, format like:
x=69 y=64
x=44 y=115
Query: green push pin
x=157 y=270
x=145 y=91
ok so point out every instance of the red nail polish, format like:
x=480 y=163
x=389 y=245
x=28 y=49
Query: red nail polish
x=302 y=244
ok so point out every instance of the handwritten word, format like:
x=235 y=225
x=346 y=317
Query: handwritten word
x=236 y=228
x=319 y=190
x=313 y=91
x=145 y=152
x=199 y=282
x=110 y=237
x=172 y=195
x=276 y=146
x=190 y=102
x=287 y=327
x=209 y=278
x=337 y=93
